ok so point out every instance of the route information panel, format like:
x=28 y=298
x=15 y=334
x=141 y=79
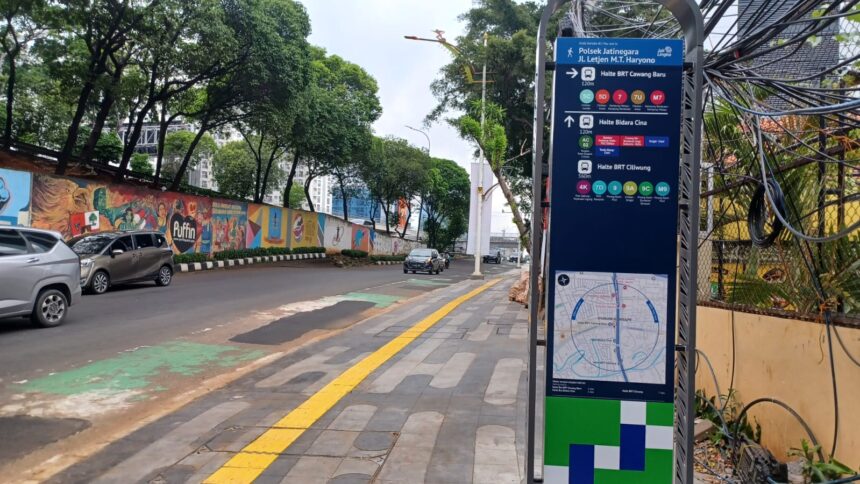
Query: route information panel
x=614 y=215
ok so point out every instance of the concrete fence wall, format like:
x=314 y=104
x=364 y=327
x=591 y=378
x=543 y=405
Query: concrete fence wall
x=786 y=359
x=192 y=224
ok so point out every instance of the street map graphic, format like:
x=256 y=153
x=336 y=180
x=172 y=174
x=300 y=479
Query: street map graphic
x=610 y=326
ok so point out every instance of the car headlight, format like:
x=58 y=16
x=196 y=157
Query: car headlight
x=86 y=263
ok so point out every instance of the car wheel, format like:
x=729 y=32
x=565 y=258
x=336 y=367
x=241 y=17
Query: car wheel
x=413 y=272
x=50 y=308
x=165 y=275
x=100 y=282
x=405 y=271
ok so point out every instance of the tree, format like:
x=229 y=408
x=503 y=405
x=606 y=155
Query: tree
x=182 y=44
x=491 y=140
x=178 y=143
x=332 y=132
x=103 y=29
x=233 y=166
x=446 y=202
x=395 y=170
x=25 y=21
x=140 y=164
x=295 y=197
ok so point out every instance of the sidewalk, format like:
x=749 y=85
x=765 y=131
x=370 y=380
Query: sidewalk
x=433 y=390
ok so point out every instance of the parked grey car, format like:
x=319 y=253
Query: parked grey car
x=39 y=275
x=423 y=260
x=118 y=257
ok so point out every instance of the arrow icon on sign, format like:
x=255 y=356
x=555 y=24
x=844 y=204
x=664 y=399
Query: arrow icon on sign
x=569 y=120
x=572 y=73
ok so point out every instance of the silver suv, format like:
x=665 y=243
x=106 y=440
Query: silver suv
x=39 y=275
x=118 y=257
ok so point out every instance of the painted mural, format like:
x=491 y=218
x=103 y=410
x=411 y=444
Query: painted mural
x=361 y=237
x=15 y=197
x=229 y=221
x=190 y=223
x=338 y=234
x=267 y=226
x=185 y=220
x=307 y=229
x=68 y=205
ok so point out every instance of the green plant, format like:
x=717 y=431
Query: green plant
x=309 y=250
x=189 y=258
x=731 y=421
x=818 y=470
x=354 y=254
x=387 y=258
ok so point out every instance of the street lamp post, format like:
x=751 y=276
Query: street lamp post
x=470 y=78
x=421 y=206
x=480 y=198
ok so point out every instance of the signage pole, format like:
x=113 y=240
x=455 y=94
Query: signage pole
x=603 y=133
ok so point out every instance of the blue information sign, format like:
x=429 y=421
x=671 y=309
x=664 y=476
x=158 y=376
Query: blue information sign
x=613 y=218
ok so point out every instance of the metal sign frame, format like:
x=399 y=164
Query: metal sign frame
x=688 y=15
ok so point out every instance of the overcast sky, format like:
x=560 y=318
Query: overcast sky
x=370 y=33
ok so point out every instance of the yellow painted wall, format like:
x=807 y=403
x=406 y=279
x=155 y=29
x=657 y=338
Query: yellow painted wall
x=785 y=359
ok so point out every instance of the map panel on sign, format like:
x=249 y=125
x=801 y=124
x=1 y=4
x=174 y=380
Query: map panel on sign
x=610 y=326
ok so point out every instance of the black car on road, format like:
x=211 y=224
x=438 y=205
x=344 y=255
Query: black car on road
x=424 y=260
x=493 y=259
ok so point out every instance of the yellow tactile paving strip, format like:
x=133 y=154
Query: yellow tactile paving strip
x=257 y=456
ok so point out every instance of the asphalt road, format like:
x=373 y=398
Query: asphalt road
x=143 y=314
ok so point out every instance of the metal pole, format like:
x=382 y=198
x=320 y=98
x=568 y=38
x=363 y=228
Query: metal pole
x=421 y=206
x=690 y=18
x=480 y=197
x=536 y=232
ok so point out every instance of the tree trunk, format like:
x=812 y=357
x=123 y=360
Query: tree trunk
x=308 y=192
x=163 y=123
x=10 y=97
x=177 y=179
x=265 y=183
x=74 y=128
x=97 y=63
x=101 y=116
x=420 y=213
x=515 y=208
x=133 y=138
x=290 y=178
x=406 y=224
x=343 y=198
x=387 y=210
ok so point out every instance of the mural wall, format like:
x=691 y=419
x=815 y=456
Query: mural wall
x=15 y=197
x=307 y=229
x=229 y=220
x=190 y=223
x=338 y=234
x=361 y=237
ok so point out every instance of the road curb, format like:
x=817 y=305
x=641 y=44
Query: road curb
x=246 y=261
x=388 y=262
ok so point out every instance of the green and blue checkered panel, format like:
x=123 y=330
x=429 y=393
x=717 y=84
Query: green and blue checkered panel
x=594 y=441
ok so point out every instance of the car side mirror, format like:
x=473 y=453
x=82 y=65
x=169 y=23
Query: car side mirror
x=116 y=252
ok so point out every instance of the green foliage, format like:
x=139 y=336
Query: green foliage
x=394 y=170
x=295 y=197
x=387 y=258
x=814 y=468
x=108 y=148
x=709 y=409
x=446 y=202
x=233 y=168
x=189 y=258
x=255 y=252
x=177 y=144
x=309 y=250
x=140 y=164
x=354 y=254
